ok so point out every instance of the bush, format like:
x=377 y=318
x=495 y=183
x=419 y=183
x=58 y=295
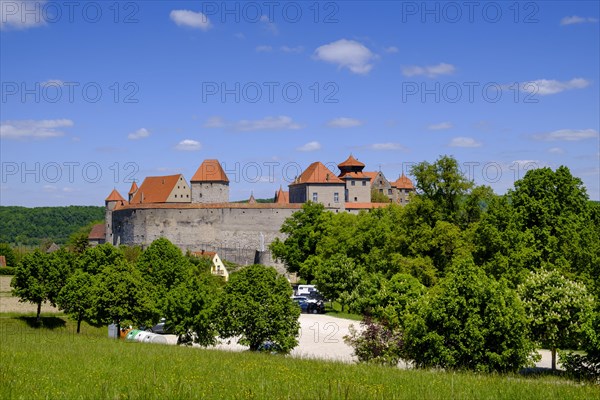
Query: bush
x=378 y=343
x=7 y=271
x=469 y=321
x=581 y=367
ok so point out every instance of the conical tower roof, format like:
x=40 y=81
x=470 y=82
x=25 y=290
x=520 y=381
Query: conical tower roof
x=114 y=196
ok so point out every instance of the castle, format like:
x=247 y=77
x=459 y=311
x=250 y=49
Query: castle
x=198 y=216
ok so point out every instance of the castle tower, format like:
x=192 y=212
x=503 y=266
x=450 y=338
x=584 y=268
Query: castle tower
x=133 y=190
x=210 y=183
x=113 y=199
x=403 y=187
x=358 y=188
x=251 y=200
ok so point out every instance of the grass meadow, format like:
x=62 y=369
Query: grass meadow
x=52 y=362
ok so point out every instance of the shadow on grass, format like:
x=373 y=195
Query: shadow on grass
x=539 y=372
x=48 y=322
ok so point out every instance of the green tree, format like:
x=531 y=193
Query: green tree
x=163 y=264
x=337 y=277
x=256 y=305
x=7 y=251
x=468 y=321
x=121 y=295
x=443 y=186
x=558 y=309
x=378 y=197
x=75 y=298
x=39 y=277
x=304 y=229
x=190 y=309
x=94 y=259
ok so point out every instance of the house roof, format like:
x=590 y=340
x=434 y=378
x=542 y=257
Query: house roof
x=317 y=173
x=365 y=206
x=217 y=206
x=371 y=175
x=114 y=196
x=403 y=183
x=134 y=188
x=156 y=189
x=203 y=253
x=98 y=232
x=353 y=175
x=282 y=197
x=210 y=171
x=351 y=162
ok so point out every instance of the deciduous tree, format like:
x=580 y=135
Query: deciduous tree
x=256 y=305
x=558 y=310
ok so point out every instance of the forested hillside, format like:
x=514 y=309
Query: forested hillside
x=31 y=226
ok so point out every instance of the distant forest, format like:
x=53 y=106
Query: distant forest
x=32 y=226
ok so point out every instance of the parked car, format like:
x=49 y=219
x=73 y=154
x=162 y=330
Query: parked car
x=309 y=306
x=161 y=328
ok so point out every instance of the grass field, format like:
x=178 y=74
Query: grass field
x=53 y=362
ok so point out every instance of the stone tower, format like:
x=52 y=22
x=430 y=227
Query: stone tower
x=110 y=203
x=210 y=183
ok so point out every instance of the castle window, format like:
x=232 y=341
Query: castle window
x=356 y=199
x=175 y=196
x=315 y=197
x=353 y=183
x=389 y=191
x=336 y=197
x=364 y=183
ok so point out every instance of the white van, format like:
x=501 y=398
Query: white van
x=304 y=290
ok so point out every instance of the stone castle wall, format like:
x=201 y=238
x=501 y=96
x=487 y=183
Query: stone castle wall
x=233 y=232
x=210 y=192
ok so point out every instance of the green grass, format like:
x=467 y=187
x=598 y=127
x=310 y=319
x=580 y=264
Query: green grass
x=53 y=362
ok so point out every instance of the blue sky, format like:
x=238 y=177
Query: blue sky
x=95 y=94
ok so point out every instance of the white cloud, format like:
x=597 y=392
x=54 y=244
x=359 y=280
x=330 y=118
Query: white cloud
x=391 y=49
x=139 y=134
x=191 y=19
x=21 y=15
x=263 y=49
x=287 y=49
x=574 y=19
x=188 y=145
x=430 y=71
x=462 y=141
x=39 y=129
x=545 y=87
x=556 y=150
x=310 y=146
x=215 y=122
x=347 y=54
x=385 y=146
x=344 y=122
x=568 y=135
x=269 y=25
x=281 y=122
x=441 y=126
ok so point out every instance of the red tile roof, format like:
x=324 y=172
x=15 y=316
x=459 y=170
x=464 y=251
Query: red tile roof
x=317 y=173
x=371 y=175
x=203 y=253
x=210 y=171
x=156 y=189
x=114 y=196
x=365 y=206
x=403 y=183
x=98 y=232
x=282 y=197
x=353 y=175
x=351 y=162
x=185 y=206
x=134 y=188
